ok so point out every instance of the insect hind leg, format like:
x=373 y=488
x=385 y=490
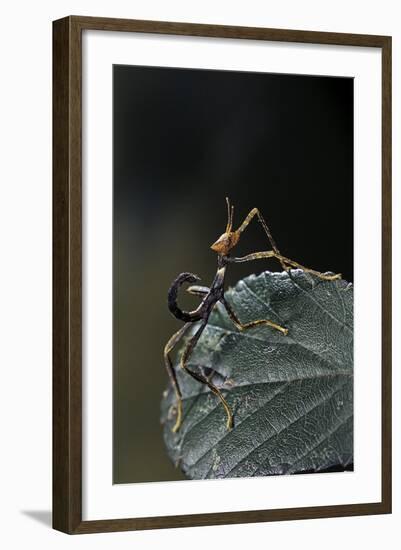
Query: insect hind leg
x=172 y=374
x=183 y=364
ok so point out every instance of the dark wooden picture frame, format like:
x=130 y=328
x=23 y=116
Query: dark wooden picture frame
x=67 y=274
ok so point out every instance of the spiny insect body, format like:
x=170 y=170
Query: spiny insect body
x=215 y=294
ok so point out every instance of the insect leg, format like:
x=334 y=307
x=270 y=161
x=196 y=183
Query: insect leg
x=255 y=212
x=198 y=290
x=289 y=263
x=253 y=256
x=183 y=364
x=243 y=326
x=323 y=276
x=171 y=372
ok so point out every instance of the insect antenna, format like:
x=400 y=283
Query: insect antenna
x=230 y=216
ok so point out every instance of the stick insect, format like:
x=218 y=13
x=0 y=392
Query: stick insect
x=214 y=295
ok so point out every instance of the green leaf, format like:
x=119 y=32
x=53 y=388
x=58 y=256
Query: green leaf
x=291 y=396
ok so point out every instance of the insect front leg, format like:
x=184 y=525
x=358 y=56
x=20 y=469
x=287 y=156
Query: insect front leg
x=323 y=276
x=189 y=348
x=288 y=263
x=255 y=212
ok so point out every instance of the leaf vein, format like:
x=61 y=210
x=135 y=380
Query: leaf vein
x=269 y=439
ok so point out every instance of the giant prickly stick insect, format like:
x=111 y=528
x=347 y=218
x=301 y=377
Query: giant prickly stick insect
x=215 y=294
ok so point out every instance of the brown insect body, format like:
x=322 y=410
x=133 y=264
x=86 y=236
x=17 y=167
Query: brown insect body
x=215 y=294
x=226 y=242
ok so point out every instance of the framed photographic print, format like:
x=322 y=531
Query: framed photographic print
x=222 y=253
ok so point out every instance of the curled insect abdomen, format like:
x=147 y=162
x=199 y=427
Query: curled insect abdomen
x=172 y=298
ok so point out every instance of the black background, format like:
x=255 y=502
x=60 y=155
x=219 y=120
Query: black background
x=183 y=140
